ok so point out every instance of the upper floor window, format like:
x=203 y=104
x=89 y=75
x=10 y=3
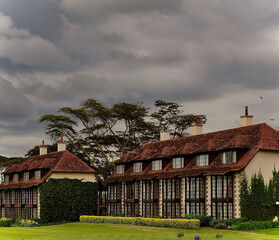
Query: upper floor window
x=15 y=177
x=137 y=167
x=156 y=165
x=26 y=176
x=202 y=160
x=6 y=178
x=37 y=174
x=120 y=169
x=229 y=157
x=178 y=162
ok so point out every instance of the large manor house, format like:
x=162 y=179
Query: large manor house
x=197 y=174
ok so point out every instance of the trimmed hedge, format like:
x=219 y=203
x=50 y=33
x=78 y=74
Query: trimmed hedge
x=153 y=222
x=204 y=220
x=67 y=199
x=244 y=226
x=229 y=222
x=4 y=222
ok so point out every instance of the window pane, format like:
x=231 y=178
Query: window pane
x=137 y=167
x=120 y=169
x=178 y=162
x=202 y=160
x=156 y=165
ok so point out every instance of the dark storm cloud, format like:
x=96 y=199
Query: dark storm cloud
x=56 y=53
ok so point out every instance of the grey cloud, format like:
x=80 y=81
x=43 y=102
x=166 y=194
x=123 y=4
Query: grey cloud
x=14 y=106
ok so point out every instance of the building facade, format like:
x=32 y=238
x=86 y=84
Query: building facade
x=198 y=174
x=19 y=193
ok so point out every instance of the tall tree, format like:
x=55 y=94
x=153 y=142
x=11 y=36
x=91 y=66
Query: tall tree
x=102 y=134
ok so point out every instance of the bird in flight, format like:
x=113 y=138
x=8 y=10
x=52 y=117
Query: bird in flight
x=272 y=119
x=261 y=97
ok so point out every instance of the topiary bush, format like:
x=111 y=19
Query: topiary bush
x=67 y=199
x=221 y=226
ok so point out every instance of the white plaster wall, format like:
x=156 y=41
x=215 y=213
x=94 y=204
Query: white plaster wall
x=264 y=161
x=236 y=194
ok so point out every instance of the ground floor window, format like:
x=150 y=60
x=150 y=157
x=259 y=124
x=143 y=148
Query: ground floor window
x=114 y=208
x=171 y=209
x=222 y=196
x=131 y=209
x=195 y=195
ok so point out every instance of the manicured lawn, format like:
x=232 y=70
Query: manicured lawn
x=76 y=231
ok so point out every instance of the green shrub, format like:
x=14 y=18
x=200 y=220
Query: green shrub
x=204 y=220
x=4 y=222
x=21 y=222
x=221 y=226
x=67 y=199
x=154 y=222
x=229 y=222
x=244 y=226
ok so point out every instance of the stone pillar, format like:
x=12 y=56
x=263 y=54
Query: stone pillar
x=140 y=198
x=160 y=198
x=237 y=178
x=208 y=195
x=38 y=203
x=122 y=197
x=182 y=198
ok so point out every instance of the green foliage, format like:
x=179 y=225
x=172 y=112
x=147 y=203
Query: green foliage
x=229 y=222
x=67 y=199
x=4 y=222
x=204 y=220
x=253 y=225
x=221 y=226
x=21 y=222
x=257 y=201
x=153 y=222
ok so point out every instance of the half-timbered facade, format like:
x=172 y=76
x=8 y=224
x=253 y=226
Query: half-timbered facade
x=19 y=193
x=198 y=174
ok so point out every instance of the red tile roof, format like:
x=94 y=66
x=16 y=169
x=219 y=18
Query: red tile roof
x=251 y=138
x=62 y=161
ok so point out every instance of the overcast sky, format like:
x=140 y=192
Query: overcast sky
x=212 y=56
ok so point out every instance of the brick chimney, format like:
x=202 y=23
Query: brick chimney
x=61 y=146
x=164 y=134
x=43 y=148
x=196 y=128
x=246 y=120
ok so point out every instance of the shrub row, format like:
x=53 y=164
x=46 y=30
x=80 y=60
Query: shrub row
x=226 y=223
x=4 y=222
x=204 y=220
x=244 y=226
x=154 y=222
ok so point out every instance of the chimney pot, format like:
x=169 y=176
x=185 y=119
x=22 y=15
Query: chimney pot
x=164 y=135
x=246 y=120
x=43 y=148
x=61 y=146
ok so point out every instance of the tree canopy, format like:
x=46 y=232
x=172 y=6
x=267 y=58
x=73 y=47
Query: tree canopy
x=102 y=134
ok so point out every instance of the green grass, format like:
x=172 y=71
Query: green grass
x=100 y=231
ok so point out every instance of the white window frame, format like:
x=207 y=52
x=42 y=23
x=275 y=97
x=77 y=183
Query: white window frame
x=137 y=167
x=120 y=169
x=178 y=162
x=15 y=177
x=225 y=157
x=156 y=165
x=37 y=174
x=202 y=160
x=25 y=176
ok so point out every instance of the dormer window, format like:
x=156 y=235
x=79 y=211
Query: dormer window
x=120 y=169
x=229 y=157
x=202 y=160
x=15 y=177
x=26 y=176
x=137 y=167
x=37 y=174
x=6 y=178
x=178 y=162
x=156 y=165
